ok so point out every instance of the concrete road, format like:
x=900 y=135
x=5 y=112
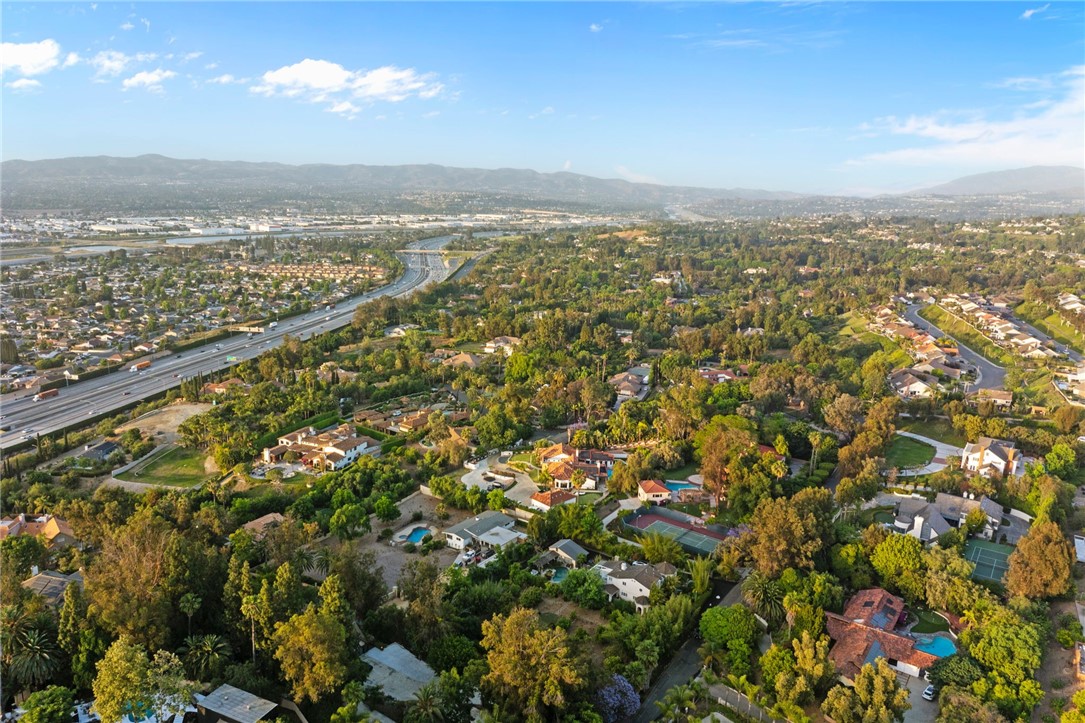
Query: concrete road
x=1070 y=353
x=80 y=400
x=942 y=452
x=991 y=376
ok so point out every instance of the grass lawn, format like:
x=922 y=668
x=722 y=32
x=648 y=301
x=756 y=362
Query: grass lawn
x=526 y=457
x=856 y=328
x=939 y=429
x=866 y=518
x=180 y=467
x=929 y=622
x=967 y=335
x=589 y=498
x=905 y=453
x=1038 y=390
x=683 y=472
x=1050 y=323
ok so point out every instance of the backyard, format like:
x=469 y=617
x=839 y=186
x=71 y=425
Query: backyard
x=178 y=467
x=929 y=622
x=908 y=453
x=939 y=429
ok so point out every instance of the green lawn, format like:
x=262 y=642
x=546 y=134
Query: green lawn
x=939 y=429
x=179 y=467
x=1038 y=390
x=589 y=498
x=967 y=335
x=856 y=328
x=683 y=472
x=527 y=457
x=905 y=453
x=929 y=622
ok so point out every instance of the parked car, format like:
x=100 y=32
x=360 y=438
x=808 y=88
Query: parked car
x=929 y=693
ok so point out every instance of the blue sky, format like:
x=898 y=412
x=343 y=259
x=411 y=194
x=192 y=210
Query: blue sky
x=811 y=97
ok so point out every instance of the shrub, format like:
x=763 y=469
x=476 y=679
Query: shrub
x=384 y=534
x=410 y=547
x=416 y=516
x=531 y=597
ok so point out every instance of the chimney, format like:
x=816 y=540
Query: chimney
x=625 y=566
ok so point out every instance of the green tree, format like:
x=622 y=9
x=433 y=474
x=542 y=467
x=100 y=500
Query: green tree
x=206 y=655
x=812 y=662
x=122 y=677
x=52 y=705
x=700 y=570
x=36 y=659
x=531 y=669
x=20 y=553
x=899 y=562
x=765 y=596
x=311 y=648
x=660 y=548
x=876 y=697
x=188 y=604
x=1061 y=461
x=1042 y=564
x=385 y=509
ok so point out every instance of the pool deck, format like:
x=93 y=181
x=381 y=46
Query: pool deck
x=404 y=534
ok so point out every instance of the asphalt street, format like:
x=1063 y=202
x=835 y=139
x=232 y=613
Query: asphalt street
x=992 y=376
x=80 y=400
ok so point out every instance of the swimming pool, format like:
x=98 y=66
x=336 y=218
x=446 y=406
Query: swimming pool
x=937 y=646
x=676 y=486
x=560 y=574
x=417 y=534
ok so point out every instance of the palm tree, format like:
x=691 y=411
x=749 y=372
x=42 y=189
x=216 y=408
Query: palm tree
x=250 y=608
x=765 y=596
x=426 y=706
x=36 y=658
x=677 y=701
x=713 y=655
x=189 y=603
x=322 y=562
x=205 y=655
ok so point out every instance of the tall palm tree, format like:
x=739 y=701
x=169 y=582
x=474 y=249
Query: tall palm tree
x=188 y=604
x=426 y=706
x=205 y=655
x=765 y=596
x=36 y=658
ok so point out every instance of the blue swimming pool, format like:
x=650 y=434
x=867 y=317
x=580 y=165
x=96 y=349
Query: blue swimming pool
x=560 y=574
x=936 y=645
x=417 y=534
x=675 y=486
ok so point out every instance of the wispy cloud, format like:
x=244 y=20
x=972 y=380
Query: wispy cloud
x=24 y=85
x=1026 y=83
x=632 y=176
x=227 y=79
x=114 y=62
x=71 y=59
x=344 y=108
x=548 y=110
x=431 y=114
x=126 y=26
x=767 y=39
x=1050 y=132
x=29 y=58
x=567 y=166
x=146 y=24
x=595 y=27
x=150 y=80
x=1027 y=15
x=322 y=81
x=187 y=57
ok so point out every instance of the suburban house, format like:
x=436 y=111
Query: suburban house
x=913 y=384
x=717 y=376
x=397 y=671
x=928 y=521
x=463 y=359
x=233 y=705
x=653 y=491
x=630 y=384
x=52 y=584
x=865 y=632
x=568 y=552
x=223 y=387
x=488 y=529
x=503 y=344
x=544 y=501
x=562 y=461
x=330 y=450
x=259 y=527
x=992 y=457
x=1000 y=398
x=57 y=532
x=632 y=582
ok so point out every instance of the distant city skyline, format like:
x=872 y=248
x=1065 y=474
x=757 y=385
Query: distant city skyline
x=807 y=97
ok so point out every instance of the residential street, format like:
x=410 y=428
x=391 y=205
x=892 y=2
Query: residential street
x=992 y=376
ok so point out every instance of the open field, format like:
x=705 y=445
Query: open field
x=967 y=335
x=906 y=453
x=179 y=467
x=856 y=328
x=165 y=421
x=939 y=429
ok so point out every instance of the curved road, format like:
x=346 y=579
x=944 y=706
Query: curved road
x=102 y=395
x=991 y=375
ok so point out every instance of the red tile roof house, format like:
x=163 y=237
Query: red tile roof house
x=864 y=633
x=544 y=501
x=653 y=491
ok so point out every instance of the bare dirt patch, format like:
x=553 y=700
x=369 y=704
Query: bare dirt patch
x=162 y=424
x=1057 y=674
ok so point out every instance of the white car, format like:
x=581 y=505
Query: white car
x=929 y=693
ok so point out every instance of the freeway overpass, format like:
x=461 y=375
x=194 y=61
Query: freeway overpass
x=95 y=397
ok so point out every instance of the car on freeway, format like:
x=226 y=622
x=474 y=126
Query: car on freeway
x=28 y=430
x=125 y=394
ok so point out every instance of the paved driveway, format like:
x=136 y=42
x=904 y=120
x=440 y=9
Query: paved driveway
x=922 y=711
x=942 y=452
x=521 y=490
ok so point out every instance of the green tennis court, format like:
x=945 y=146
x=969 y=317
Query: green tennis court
x=692 y=540
x=990 y=559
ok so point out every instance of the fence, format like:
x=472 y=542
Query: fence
x=728 y=696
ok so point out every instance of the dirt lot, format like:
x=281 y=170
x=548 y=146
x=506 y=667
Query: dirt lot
x=163 y=423
x=1058 y=667
x=393 y=558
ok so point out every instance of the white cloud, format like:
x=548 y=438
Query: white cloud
x=29 y=58
x=127 y=26
x=548 y=110
x=1048 y=132
x=227 y=79
x=595 y=27
x=149 y=79
x=431 y=114
x=344 y=108
x=71 y=59
x=322 y=81
x=633 y=176
x=24 y=85
x=114 y=62
x=146 y=23
x=1025 y=83
x=1034 y=11
x=191 y=56
x=210 y=66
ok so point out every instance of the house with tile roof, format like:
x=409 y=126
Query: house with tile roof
x=866 y=632
x=57 y=532
x=653 y=491
x=545 y=501
x=992 y=458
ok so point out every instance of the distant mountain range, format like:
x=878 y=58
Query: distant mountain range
x=157 y=183
x=1062 y=180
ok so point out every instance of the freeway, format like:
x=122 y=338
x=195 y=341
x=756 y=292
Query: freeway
x=991 y=376
x=79 y=401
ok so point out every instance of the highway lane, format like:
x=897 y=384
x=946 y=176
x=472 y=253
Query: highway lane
x=80 y=400
x=991 y=376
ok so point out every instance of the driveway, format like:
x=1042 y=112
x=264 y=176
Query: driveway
x=991 y=376
x=922 y=711
x=942 y=452
x=521 y=490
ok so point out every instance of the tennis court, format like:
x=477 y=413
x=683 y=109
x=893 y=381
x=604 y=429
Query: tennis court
x=698 y=542
x=989 y=558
